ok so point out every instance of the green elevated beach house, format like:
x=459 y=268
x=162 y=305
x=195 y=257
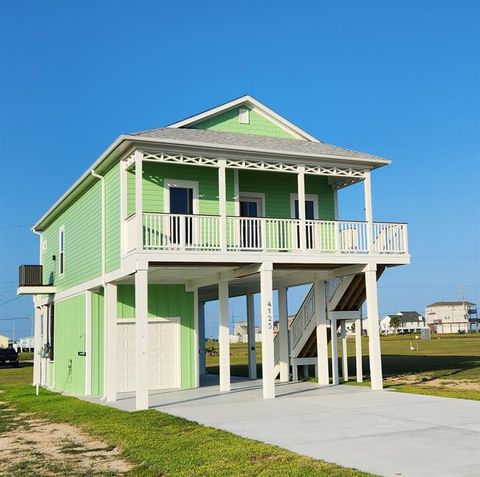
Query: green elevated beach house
x=205 y=209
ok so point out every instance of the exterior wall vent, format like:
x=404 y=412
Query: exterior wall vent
x=244 y=115
x=30 y=276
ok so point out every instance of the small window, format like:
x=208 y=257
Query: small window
x=244 y=116
x=61 y=252
x=44 y=245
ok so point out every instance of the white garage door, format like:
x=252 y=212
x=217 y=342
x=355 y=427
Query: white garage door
x=163 y=355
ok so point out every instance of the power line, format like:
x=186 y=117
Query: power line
x=14 y=226
x=8 y=301
x=14 y=318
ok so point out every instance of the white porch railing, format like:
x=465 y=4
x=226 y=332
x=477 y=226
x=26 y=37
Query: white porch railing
x=203 y=233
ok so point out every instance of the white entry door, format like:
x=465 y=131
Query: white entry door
x=163 y=354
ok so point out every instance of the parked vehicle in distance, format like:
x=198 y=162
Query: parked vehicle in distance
x=9 y=356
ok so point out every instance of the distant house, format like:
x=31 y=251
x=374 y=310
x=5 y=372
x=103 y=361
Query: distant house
x=25 y=344
x=3 y=342
x=240 y=333
x=409 y=322
x=450 y=316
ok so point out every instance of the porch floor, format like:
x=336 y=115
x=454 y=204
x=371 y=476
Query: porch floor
x=382 y=432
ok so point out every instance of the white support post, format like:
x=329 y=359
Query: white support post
x=139 y=198
x=283 y=335
x=37 y=326
x=343 y=332
x=252 y=356
x=88 y=343
x=224 y=336
x=141 y=336
x=222 y=201
x=368 y=210
x=196 y=354
x=321 y=330
x=110 y=317
x=333 y=341
x=301 y=207
x=44 y=359
x=374 y=351
x=201 y=338
x=358 y=350
x=268 y=359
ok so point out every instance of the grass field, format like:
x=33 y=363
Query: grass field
x=446 y=365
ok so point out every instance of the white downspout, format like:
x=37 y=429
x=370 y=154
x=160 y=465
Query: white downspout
x=104 y=280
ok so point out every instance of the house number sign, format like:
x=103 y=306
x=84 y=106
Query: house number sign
x=269 y=315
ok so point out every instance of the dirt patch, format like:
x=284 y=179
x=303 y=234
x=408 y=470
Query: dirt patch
x=424 y=380
x=36 y=447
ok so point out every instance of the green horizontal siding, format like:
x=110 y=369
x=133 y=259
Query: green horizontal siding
x=167 y=301
x=68 y=341
x=229 y=122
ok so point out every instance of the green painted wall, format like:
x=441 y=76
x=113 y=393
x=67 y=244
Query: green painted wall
x=277 y=188
x=69 y=340
x=167 y=301
x=229 y=122
x=97 y=343
x=153 y=190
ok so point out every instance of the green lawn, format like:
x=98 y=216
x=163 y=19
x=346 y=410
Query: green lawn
x=446 y=365
x=157 y=443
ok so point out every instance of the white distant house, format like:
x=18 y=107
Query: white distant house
x=3 y=341
x=25 y=344
x=408 y=322
x=240 y=333
x=450 y=316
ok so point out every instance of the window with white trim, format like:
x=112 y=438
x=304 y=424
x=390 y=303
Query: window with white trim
x=244 y=115
x=61 y=251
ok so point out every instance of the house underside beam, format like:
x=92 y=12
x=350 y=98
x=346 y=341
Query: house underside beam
x=348 y=270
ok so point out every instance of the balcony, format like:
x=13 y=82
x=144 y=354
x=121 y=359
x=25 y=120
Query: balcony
x=204 y=233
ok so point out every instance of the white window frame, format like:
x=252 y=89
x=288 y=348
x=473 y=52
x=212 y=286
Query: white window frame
x=168 y=183
x=61 y=252
x=244 y=116
x=258 y=197
x=312 y=197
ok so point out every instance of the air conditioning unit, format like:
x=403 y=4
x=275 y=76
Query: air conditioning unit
x=30 y=276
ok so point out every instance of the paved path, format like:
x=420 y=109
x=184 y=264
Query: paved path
x=386 y=433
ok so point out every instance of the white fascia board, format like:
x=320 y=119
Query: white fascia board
x=254 y=104
x=37 y=290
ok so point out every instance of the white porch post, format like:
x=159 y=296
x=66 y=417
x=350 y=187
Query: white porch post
x=368 y=210
x=139 y=198
x=321 y=330
x=222 y=201
x=201 y=338
x=343 y=332
x=252 y=356
x=268 y=359
x=374 y=351
x=141 y=336
x=110 y=316
x=88 y=343
x=224 y=336
x=283 y=335
x=358 y=350
x=333 y=341
x=44 y=359
x=301 y=206
x=37 y=326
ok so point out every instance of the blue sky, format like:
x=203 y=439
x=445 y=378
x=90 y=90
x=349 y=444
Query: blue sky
x=399 y=80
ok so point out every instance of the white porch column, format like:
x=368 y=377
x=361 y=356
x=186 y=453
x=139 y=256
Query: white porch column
x=358 y=350
x=368 y=210
x=374 y=351
x=224 y=336
x=333 y=341
x=252 y=356
x=37 y=327
x=110 y=316
x=268 y=359
x=222 y=201
x=301 y=206
x=283 y=335
x=343 y=332
x=201 y=339
x=88 y=343
x=139 y=198
x=141 y=336
x=321 y=330
x=44 y=359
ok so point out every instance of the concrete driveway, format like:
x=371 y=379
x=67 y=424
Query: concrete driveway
x=386 y=433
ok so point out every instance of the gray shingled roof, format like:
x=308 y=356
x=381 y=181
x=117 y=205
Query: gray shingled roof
x=408 y=316
x=261 y=143
x=451 y=303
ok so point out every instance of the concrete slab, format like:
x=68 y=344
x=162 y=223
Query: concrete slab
x=386 y=433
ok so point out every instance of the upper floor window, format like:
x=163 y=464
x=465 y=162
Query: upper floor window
x=61 y=251
x=244 y=116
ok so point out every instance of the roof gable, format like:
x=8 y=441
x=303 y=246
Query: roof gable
x=262 y=121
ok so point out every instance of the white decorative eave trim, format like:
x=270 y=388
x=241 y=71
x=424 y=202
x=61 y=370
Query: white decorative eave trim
x=256 y=106
x=37 y=290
